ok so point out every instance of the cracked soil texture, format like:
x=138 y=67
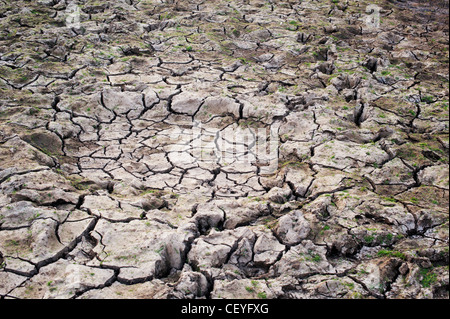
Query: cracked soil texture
x=105 y=192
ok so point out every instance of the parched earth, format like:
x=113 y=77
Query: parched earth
x=131 y=136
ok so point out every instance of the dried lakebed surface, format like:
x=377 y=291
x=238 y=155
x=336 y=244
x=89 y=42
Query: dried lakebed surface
x=131 y=136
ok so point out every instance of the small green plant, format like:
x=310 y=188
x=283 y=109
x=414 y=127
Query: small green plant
x=385 y=238
x=427 y=99
x=428 y=277
x=391 y=253
x=350 y=285
x=12 y=243
x=369 y=238
x=245 y=61
x=159 y=250
x=189 y=48
x=262 y=295
x=249 y=289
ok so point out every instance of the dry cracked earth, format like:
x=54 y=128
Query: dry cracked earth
x=128 y=137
